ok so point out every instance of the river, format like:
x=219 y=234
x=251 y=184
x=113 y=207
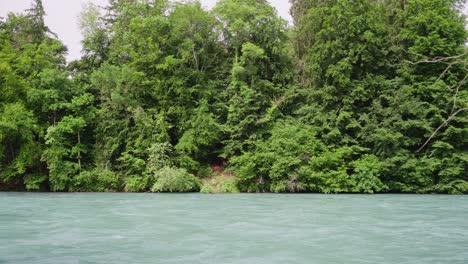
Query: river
x=61 y=228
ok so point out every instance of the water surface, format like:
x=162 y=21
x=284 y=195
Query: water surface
x=65 y=228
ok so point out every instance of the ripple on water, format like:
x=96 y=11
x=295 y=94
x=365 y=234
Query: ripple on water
x=244 y=228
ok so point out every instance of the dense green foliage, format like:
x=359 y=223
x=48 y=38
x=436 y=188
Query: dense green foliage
x=357 y=96
x=175 y=180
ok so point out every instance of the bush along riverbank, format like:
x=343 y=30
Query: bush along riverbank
x=351 y=97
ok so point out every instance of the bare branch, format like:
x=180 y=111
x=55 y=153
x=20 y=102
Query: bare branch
x=437 y=59
x=444 y=72
x=440 y=127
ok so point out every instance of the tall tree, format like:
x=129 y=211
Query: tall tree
x=255 y=37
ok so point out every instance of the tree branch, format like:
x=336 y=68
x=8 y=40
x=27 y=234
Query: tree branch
x=440 y=127
x=437 y=59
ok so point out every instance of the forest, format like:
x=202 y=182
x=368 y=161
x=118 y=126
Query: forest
x=355 y=96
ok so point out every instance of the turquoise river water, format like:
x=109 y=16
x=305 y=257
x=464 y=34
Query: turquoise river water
x=106 y=228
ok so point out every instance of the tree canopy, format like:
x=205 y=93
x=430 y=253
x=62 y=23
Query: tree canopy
x=358 y=96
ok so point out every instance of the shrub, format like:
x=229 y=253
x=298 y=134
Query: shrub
x=454 y=187
x=170 y=179
x=34 y=182
x=220 y=184
x=96 y=180
x=138 y=183
x=279 y=163
x=366 y=176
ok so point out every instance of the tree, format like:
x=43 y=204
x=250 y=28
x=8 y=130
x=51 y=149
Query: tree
x=356 y=96
x=365 y=66
x=32 y=62
x=261 y=70
x=37 y=29
x=20 y=150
